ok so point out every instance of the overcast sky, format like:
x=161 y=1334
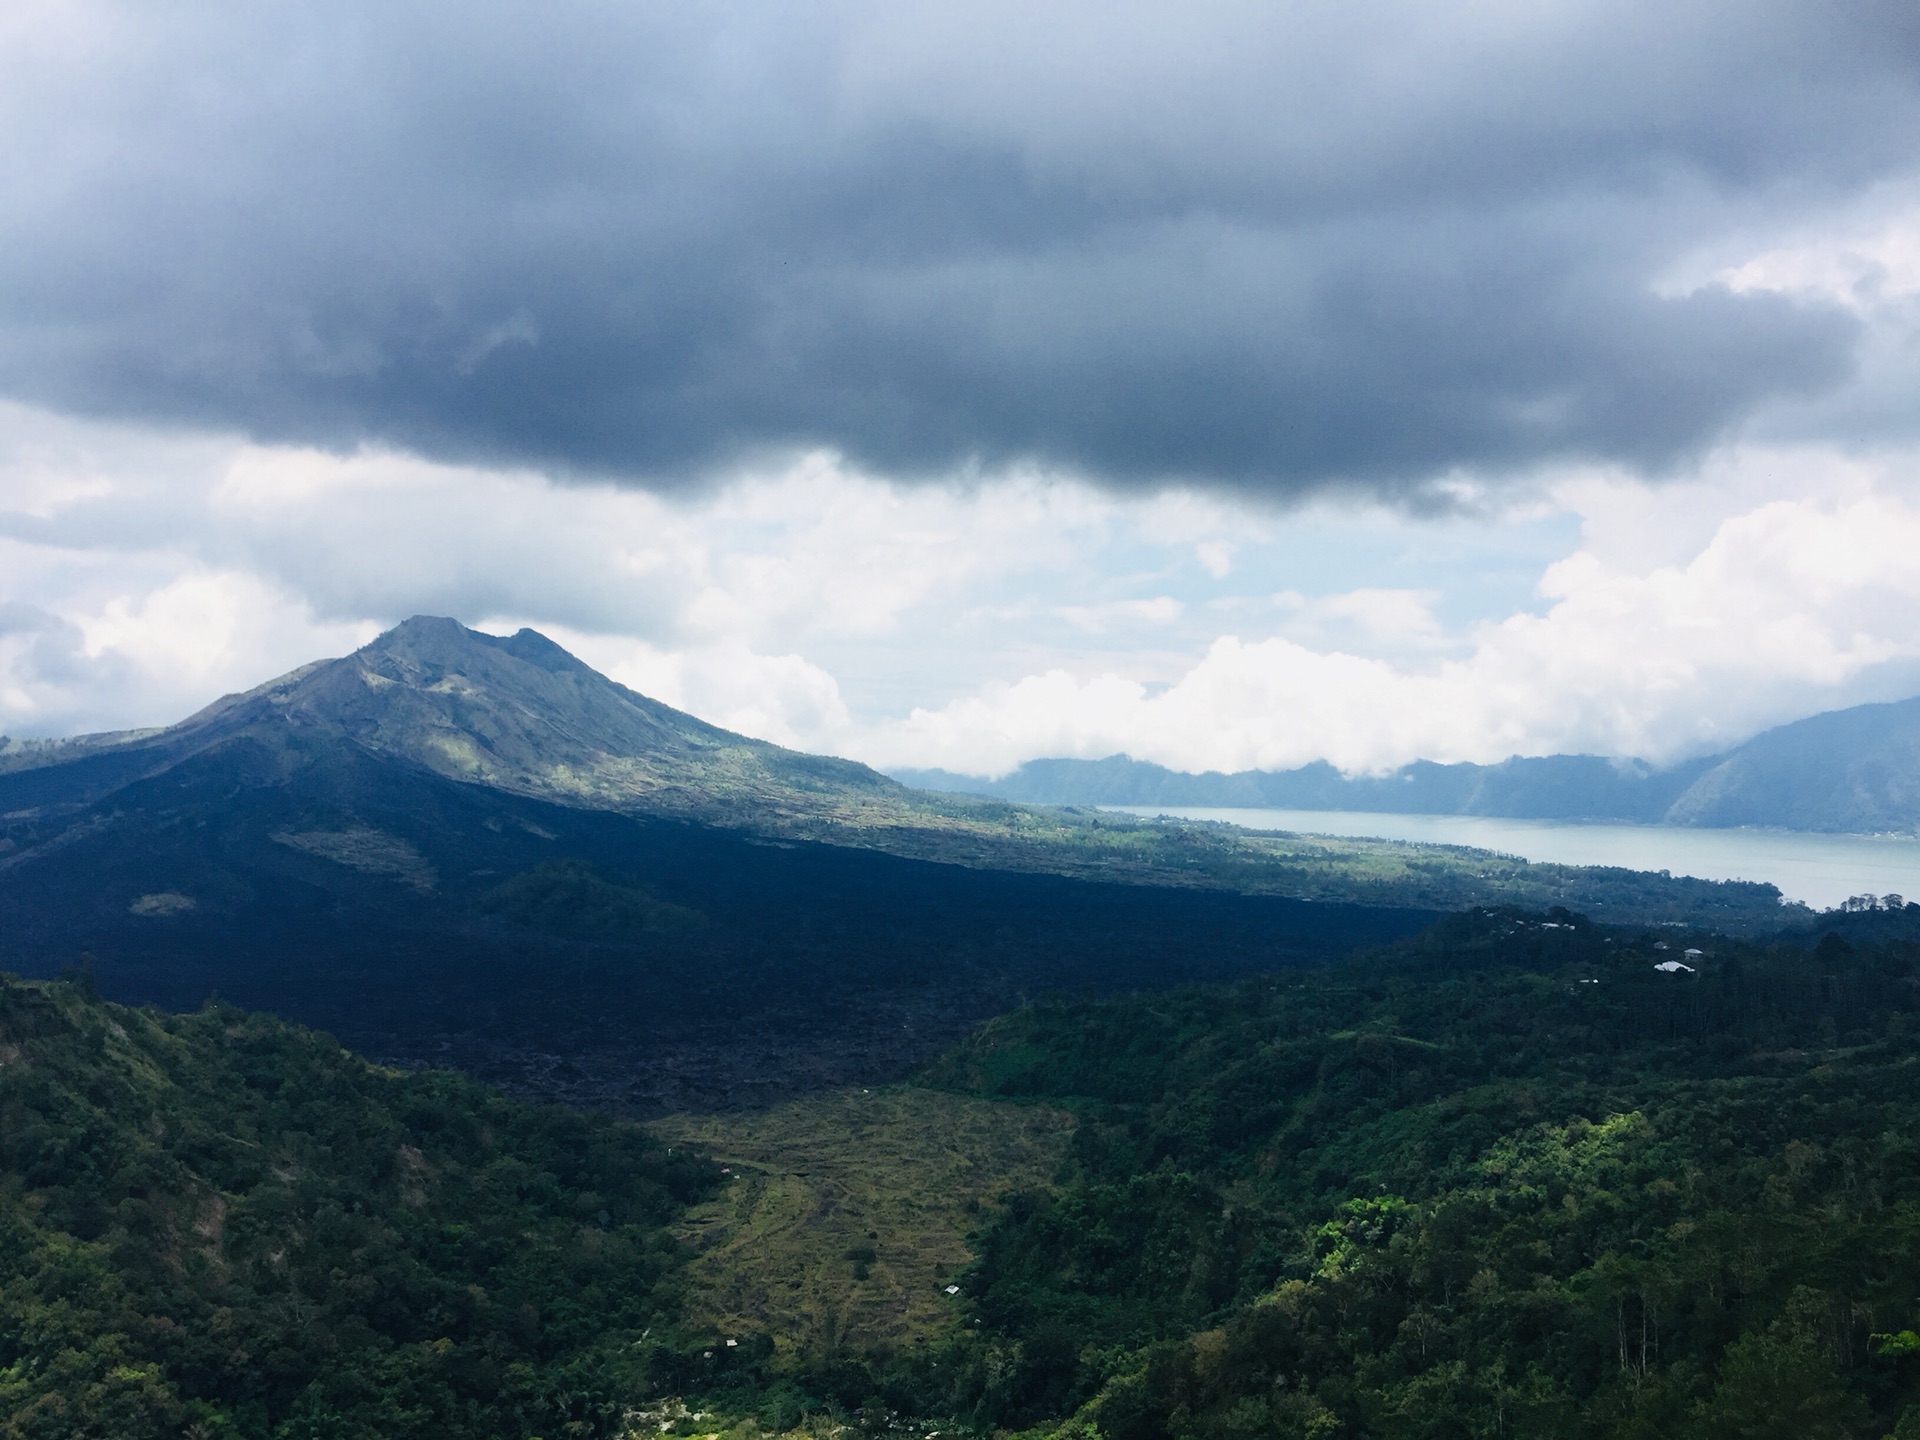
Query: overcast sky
x=1232 y=385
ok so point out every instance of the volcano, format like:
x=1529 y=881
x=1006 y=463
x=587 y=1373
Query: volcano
x=458 y=848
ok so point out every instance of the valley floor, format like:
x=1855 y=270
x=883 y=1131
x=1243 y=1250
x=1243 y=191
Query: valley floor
x=848 y=1214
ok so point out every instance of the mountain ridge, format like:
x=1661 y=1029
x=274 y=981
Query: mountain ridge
x=1855 y=770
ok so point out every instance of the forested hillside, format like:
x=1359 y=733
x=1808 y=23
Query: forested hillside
x=1524 y=1175
x=219 y=1225
x=1511 y=1179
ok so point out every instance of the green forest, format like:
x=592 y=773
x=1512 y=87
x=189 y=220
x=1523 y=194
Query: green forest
x=1509 y=1178
x=221 y=1225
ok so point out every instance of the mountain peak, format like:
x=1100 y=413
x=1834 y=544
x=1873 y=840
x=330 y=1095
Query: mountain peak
x=517 y=713
x=537 y=649
x=417 y=627
x=437 y=643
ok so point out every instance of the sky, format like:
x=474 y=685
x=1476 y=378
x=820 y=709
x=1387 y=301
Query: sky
x=1231 y=385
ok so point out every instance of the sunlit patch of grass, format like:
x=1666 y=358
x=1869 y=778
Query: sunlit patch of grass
x=849 y=1212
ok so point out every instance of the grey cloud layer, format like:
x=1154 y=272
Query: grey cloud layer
x=1269 y=247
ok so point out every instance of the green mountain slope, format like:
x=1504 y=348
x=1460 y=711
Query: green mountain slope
x=518 y=716
x=514 y=713
x=1510 y=1179
x=1852 y=770
x=221 y=1225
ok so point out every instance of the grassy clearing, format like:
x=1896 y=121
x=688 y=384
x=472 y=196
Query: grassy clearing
x=849 y=1211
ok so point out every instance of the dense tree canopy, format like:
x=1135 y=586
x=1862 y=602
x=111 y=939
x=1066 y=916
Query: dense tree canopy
x=223 y=1225
x=1510 y=1179
x=1525 y=1176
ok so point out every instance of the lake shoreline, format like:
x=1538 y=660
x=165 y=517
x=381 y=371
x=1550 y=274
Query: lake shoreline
x=1815 y=868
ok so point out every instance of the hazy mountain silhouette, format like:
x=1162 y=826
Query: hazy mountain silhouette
x=1855 y=770
x=1847 y=770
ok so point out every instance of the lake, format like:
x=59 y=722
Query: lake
x=1820 y=870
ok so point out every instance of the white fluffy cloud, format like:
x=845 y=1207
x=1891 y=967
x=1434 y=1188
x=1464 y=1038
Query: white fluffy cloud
x=1793 y=606
x=975 y=626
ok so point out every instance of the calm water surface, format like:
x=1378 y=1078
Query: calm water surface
x=1821 y=870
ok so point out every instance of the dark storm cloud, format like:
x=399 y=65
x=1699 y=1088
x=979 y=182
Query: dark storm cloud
x=1268 y=247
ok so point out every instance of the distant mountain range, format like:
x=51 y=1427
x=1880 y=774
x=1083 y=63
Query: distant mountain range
x=1855 y=770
